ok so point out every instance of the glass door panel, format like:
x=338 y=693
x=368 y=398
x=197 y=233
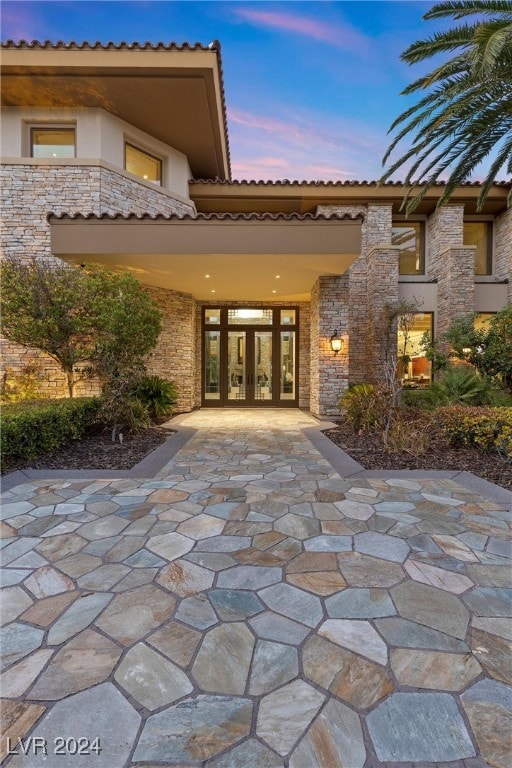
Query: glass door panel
x=211 y=365
x=237 y=362
x=287 y=365
x=263 y=365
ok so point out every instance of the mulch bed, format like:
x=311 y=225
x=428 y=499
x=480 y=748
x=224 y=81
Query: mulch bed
x=97 y=451
x=369 y=451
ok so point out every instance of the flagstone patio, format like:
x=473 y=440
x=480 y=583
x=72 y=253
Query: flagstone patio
x=250 y=608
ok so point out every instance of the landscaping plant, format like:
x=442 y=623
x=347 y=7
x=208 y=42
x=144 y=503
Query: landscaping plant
x=158 y=395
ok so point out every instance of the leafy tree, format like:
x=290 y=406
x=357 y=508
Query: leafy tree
x=91 y=319
x=489 y=350
x=466 y=113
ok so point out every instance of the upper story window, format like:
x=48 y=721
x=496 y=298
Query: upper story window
x=52 y=142
x=479 y=233
x=142 y=164
x=410 y=239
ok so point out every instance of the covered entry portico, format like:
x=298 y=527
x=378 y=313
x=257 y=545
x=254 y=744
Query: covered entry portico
x=245 y=321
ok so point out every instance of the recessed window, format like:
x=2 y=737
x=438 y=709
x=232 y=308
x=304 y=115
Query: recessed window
x=408 y=237
x=479 y=234
x=142 y=164
x=414 y=369
x=52 y=142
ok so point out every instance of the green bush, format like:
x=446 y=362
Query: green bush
x=362 y=405
x=487 y=428
x=158 y=395
x=35 y=428
x=460 y=385
x=417 y=398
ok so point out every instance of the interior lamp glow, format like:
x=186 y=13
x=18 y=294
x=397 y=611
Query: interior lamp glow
x=336 y=343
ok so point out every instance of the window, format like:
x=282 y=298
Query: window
x=52 y=142
x=414 y=369
x=409 y=237
x=479 y=234
x=142 y=164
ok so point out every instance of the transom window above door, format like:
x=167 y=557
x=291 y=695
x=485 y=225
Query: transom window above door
x=250 y=316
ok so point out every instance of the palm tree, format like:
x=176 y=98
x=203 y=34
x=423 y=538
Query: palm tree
x=467 y=112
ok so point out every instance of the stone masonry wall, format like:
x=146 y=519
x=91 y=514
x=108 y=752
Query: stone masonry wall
x=329 y=372
x=452 y=264
x=29 y=193
x=503 y=249
x=382 y=293
x=175 y=355
x=303 y=343
x=376 y=231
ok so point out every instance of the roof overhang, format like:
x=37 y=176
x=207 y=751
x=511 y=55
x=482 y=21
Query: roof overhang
x=242 y=256
x=305 y=196
x=174 y=93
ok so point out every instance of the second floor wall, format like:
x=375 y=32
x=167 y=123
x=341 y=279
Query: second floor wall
x=92 y=134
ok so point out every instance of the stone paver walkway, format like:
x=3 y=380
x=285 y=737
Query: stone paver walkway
x=249 y=608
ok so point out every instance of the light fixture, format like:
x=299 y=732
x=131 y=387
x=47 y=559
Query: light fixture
x=336 y=343
x=277 y=277
x=274 y=291
x=207 y=276
x=213 y=290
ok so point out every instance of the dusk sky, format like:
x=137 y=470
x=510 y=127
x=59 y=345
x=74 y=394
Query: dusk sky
x=311 y=87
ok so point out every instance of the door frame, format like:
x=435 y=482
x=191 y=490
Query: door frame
x=276 y=328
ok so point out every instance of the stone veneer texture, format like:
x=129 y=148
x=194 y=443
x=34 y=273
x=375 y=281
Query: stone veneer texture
x=175 y=355
x=29 y=193
x=452 y=264
x=503 y=249
x=329 y=372
x=364 y=288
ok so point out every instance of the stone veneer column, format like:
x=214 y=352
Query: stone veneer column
x=452 y=264
x=329 y=372
x=175 y=355
x=365 y=290
x=382 y=292
x=503 y=249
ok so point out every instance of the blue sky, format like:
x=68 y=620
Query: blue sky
x=311 y=87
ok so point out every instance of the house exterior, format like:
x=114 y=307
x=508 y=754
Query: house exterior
x=119 y=154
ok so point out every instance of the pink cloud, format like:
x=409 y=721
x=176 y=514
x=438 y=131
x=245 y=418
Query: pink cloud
x=18 y=25
x=340 y=36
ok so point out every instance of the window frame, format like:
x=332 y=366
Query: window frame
x=489 y=222
x=398 y=221
x=71 y=127
x=138 y=148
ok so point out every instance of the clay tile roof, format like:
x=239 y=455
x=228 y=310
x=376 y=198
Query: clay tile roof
x=322 y=183
x=205 y=216
x=123 y=45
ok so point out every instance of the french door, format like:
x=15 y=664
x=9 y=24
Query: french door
x=250 y=357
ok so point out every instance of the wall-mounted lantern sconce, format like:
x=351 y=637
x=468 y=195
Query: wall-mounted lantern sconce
x=336 y=343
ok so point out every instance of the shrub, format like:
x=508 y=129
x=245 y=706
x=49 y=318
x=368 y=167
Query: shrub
x=460 y=385
x=487 y=428
x=362 y=405
x=158 y=395
x=36 y=428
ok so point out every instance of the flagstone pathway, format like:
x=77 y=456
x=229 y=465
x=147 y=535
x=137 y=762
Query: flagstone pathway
x=250 y=608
